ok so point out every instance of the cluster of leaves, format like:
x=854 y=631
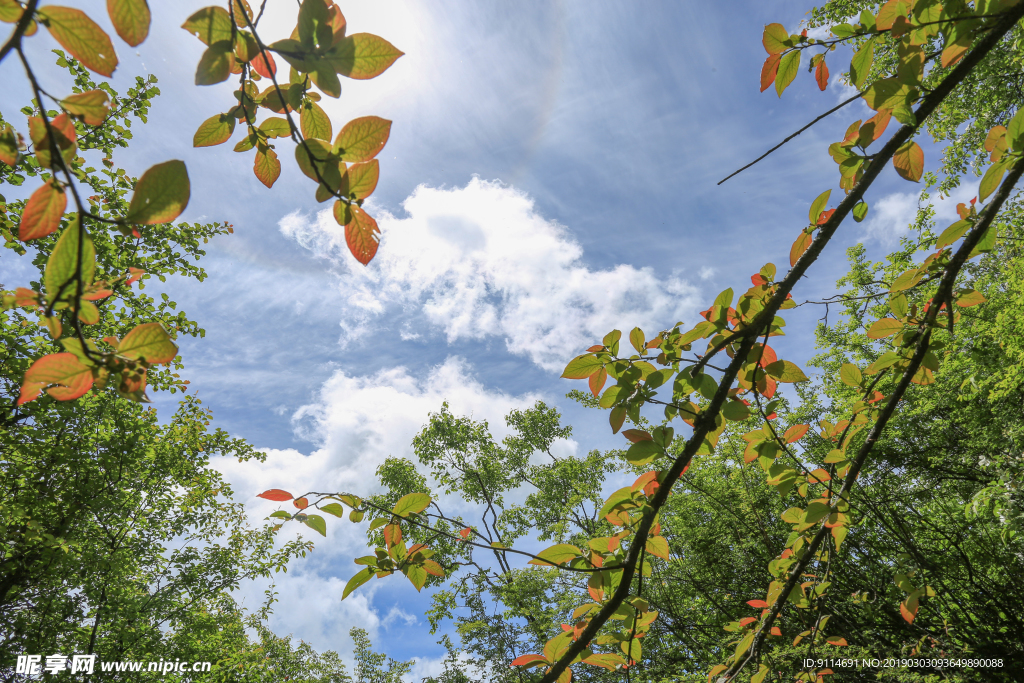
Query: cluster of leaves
x=317 y=52
x=923 y=303
x=73 y=296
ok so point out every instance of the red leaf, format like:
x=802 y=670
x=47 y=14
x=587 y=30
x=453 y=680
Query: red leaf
x=776 y=631
x=465 y=533
x=769 y=391
x=747 y=620
x=275 y=494
x=265 y=68
x=65 y=375
x=42 y=213
x=597 y=381
x=768 y=71
x=757 y=603
x=825 y=215
x=137 y=274
x=636 y=435
x=821 y=75
x=758 y=279
x=301 y=503
x=595 y=348
x=526 y=660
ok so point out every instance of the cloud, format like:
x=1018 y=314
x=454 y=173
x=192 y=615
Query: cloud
x=890 y=217
x=479 y=262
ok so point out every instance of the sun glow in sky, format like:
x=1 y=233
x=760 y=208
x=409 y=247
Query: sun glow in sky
x=551 y=175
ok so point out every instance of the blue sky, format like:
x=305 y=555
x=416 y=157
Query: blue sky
x=551 y=175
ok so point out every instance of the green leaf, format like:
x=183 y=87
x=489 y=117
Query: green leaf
x=60 y=266
x=216 y=64
x=161 y=194
x=362 y=139
x=898 y=305
x=210 y=24
x=411 y=503
x=637 y=339
x=356 y=581
x=556 y=555
x=860 y=65
x=789 y=65
x=860 y=211
x=775 y=39
x=317 y=523
x=785 y=371
x=266 y=166
x=417 y=575
x=130 y=19
x=361 y=179
x=643 y=452
x=276 y=127
x=735 y=411
x=993 y=176
x=953 y=233
x=363 y=55
x=724 y=299
x=1015 y=131
x=213 y=131
x=886 y=327
x=850 y=375
x=817 y=206
x=314 y=122
x=81 y=36
x=582 y=367
x=333 y=509
x=149 y=342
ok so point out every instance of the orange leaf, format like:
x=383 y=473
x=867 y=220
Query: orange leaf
x=42 y=213
x=907 y=614
x=768 y=71
x=362 y=139
x=909 y=161
x=266 y=166
x=597 y=381
x=264 y=67
x=636 y=435
x=92 y=106
x=529 y=660
x=747 y=620
x=301 y=503
x=465 y=533
x=65 y=375
x=392 y=534
x=776 y=631
x=757 y=603
x=275 y=494
x=361 y=232
x=795 y=433
x=799 y=247
x=821 y=75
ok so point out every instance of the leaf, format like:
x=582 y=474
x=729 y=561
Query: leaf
x=216 y=64
x=276 y=127
x=762 y=670
x=314 y=122
x=616 y=417
x=65 y=375
x=795 y=433
x=1015 y=131
x=969 y=297
x=769 y=70
x=41 y=215
x=606 y=660
x=62 y=130
x=411 y=503
x=597 y=381
x=316 y=523
x=735 y=411
x=213 y=131
x=361 y=179
x=91 y=106
x=638 y=340
x=657 y=546
x=821 y=75
x=130 y=19
x=363 y=55
x=909 y=161
x=785 y=371
x=263 y=64
x=362 y=139
x=886 y=327
x=788 y=68
x=799 y=247
x=954 y=51
x=953 y=233
x=817 y=206
x=582 y=367
x=860 y=211
x=556 y=555
x=356 y=581
x=860 y=65
x=161 y=194
x=266 y=166
x=991 y=179
x=643 y=452
x=210 y=24
x=775 y=38
x=850 y=375
x=758 y=604
x=837 y=641
x=417 y=575
x=81 y=36
x=61 y=265
x=275 y=495
x=529 y=660
x=150 y=342
x=8 y=145
x=361 y=232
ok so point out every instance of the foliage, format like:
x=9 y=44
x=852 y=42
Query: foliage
x=77 y=291
x=868 y=485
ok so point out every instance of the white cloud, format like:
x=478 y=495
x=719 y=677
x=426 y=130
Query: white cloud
x=480 y=261
x=357 y=422
x=890 y=217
